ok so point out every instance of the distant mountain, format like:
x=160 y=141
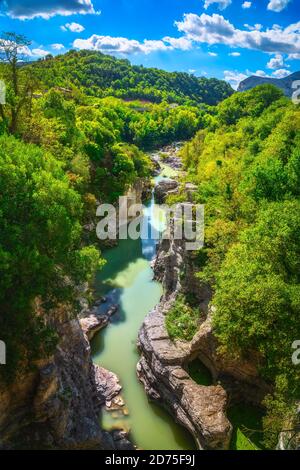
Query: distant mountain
x=285 y=84
x=103 y=75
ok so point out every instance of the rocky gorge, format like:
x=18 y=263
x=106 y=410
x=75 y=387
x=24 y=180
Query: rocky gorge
x=163 y=366
x=59 y=403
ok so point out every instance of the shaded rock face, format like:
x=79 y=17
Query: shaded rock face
x=165 y=188
x=163 y=364
x=57 y=405
x=93 y=321
x=199 y=409
x=238 y=376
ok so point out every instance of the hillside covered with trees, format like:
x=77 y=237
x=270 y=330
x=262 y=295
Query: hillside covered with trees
x=62 y=152
x=74 y=132
x=103 y=75
x=246 y=165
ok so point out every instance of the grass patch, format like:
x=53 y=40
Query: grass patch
x=182 y=320
x=241 y=417
x=199 y=373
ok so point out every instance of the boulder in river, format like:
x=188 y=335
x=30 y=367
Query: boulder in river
x=164 y=188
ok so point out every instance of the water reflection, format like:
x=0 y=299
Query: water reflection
x=127 y=280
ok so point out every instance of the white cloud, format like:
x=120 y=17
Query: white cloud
x=120 y=45
x=39 y=52
x=258 y=73
x=73 y=27
x=192 y=71
x=234 y=54
x=246 y=5
x=278 y=5
x=182 y=43
x=33 y=53
x=234 y=78
x=57 y=47
x=213 y=54
x=215 y=29
x=222 y=4
x=281 y=73
x=28 y=9
x=256 y=27
x=276 y=62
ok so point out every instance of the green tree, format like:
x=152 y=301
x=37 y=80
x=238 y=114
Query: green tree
x=41 y=255
x=19 y=86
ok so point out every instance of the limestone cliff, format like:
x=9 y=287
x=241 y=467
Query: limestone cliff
x=163 y=364
x=57 y=405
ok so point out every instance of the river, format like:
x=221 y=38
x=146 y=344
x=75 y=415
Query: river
x=127 y=280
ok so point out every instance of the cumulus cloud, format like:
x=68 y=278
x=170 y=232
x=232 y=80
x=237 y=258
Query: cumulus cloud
x=38 y=52
x=28 y=9
x=281 y=73
x=246 y=5
x=278 y=5
x=57 y=47
x=222 y=4
x=26 y=52
x=276 y=62
x=256 y=27
x=182 y=43
x=73 y=27
x=215 y=29
x=294 y=57
x=213 y=54
x=234 y=78
x=234 y=54
x=120 y=45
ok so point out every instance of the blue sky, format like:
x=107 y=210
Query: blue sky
x=228 y=39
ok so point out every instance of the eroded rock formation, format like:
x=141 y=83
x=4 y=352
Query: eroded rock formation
x=163 y=364
x=57 y=404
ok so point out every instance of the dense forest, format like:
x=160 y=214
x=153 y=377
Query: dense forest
x=73 y=133
x=246 y=165
x=102 y=75
x=62 y=152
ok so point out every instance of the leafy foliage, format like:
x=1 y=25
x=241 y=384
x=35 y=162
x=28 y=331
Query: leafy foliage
x=41 y=256
x=101 y=75
x=246 y=166
x=182 y=320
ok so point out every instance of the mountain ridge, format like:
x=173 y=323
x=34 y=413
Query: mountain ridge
x=285 y=84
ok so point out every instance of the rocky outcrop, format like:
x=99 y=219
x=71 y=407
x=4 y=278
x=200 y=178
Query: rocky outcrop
x=163 y=364
x=200 y=409
x=238 y=376
x=165 y=188
x=93 y=321
x=57 y=405
x=169 y=156
x=107 y=385
x=162 y=367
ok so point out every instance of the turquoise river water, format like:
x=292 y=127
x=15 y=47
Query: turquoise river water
x=127 y=280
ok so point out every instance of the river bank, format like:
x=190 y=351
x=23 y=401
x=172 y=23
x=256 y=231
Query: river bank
x=127 y=281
